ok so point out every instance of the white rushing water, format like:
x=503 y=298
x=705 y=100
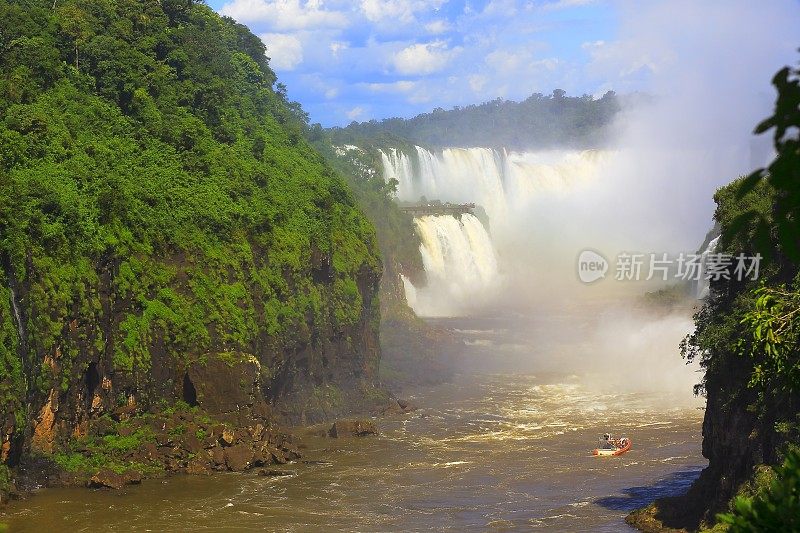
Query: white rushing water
x=460 y=258
x=460 y=263
x=502 y=182
x=702 y=287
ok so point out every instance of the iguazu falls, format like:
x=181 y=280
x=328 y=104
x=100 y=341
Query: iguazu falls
x=371 y=266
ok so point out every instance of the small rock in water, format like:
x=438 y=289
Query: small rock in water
x=352 y=428
x=107 y=478
x=398 y=407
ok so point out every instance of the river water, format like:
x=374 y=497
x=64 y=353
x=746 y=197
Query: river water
x=505 y=446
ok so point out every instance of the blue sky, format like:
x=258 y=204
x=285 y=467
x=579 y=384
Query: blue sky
x=347 y=60
x=365 y=59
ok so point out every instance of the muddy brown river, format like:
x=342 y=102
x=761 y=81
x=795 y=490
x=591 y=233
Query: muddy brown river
x=504 y=447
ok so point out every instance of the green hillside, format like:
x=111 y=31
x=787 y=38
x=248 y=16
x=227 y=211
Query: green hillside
x=159 y=208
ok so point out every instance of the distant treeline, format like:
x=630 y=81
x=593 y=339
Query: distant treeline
x=537 y=122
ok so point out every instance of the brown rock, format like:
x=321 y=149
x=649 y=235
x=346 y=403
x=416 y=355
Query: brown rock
x=107 y=478
x=218 y=455
x=5 y=449
x=257 y=431
x=44 y=430
x=124 y=413
x=239 y=458
x=149 y=450
x=406 y=406
x=228 y=437
x=225 y=382
x=132 y=477
x=274 y=456
x=261 y=410
x=198 y=467
x=398 y=407
x=192 y=444
x=352 y=428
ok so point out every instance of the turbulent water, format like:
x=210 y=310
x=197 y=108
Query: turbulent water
x=504 y=447
x=502 y=182
x=459 y=261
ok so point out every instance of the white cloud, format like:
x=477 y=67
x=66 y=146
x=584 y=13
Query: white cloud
x=285 y=15
x=564 y=4
x=403 y=11
x=505 y=61
x=400 y=86
x=500 y=7
x=626 y=58
x=521 y=61
x=438 y=26
x=424 y=58
x=356 y=113
x=338 y=46
x=477 y=82
x=285 y=51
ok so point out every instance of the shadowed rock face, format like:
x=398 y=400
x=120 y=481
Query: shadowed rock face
x=224 y=386
x=244 y=384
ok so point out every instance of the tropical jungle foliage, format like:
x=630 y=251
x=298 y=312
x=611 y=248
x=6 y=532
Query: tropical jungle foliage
x=538 y=122
x=157 y=192
x=747 y=333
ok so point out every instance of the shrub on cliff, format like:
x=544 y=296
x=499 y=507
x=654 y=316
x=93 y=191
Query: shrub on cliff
x=774 y=510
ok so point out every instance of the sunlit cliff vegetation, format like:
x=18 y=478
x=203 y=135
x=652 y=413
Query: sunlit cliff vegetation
x=161 y=207
x=747 y=340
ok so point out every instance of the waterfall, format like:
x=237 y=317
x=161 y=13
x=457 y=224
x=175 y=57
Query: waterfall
x=459 y=257
x=460 y=264
x=702 y=287
x=502 y=182
x=17 y=314
x=397 y=165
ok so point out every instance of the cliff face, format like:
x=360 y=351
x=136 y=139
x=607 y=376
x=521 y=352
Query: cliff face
x=79 y=378
x=737 y=437
x=166 y=233
x=745 y=339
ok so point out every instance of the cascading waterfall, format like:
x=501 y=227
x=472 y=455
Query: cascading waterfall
x=702 y=287
x=460 y=263
x=397 y=165
x=458 y=255
x=502 y=182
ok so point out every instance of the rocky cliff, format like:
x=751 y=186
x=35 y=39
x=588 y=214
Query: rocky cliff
x=168 y=238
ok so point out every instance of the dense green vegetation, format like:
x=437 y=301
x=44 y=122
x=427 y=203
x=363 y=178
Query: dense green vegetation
x=397 y=238
x=537 y=122
x=773 y=509
x=748 y=331
x=159 y=201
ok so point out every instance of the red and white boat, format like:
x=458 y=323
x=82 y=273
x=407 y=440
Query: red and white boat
x=617 y=447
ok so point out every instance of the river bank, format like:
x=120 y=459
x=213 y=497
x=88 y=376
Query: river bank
x=493 y=448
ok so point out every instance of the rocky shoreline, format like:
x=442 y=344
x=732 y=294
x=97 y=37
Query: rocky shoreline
x=126 y=448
